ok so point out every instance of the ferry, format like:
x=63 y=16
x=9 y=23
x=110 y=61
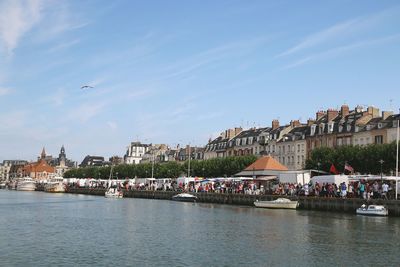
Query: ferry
x=26 y=184
x=55 y=185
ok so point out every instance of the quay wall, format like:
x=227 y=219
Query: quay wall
x=348 y=205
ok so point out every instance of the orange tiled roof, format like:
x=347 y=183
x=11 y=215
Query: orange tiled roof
x=266 y=163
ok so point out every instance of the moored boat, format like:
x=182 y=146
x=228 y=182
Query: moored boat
x=114 y=193
x=26 y=184
x=372 y=210
x=55 y=185
x=184 y=197
x=280 y=203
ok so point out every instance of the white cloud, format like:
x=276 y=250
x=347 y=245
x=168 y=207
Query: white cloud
x=113 y=125
x=4 y=91
x=341 y=49
x=86 y=111
x=63 y=45
x=343 y=31
x=17 y=18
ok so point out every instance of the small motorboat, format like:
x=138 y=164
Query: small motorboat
x=114 y=193
x=184 y=197
x=373 y=210
x=280 y=203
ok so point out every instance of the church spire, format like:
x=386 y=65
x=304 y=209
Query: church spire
x=43 y=155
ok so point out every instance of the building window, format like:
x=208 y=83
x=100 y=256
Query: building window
x=379 y=139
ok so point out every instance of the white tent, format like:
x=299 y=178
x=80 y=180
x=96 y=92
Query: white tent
x=330 y=179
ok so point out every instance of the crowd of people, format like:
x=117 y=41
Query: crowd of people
x=354 y=189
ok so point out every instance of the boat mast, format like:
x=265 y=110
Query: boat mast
x=189 y=162
x=397 y=152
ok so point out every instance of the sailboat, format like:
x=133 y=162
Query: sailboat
x=113 y=192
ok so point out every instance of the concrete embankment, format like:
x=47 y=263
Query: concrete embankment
x=306 y=203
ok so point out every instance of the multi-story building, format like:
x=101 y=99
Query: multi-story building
x=135 y=152
x=275 y=136
x=292 y=148
x=248 y=142
x=7 y=168
x=93 y=161
x=217 y=148
x=40 y=170
x=376 y=131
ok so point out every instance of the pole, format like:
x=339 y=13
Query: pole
x=189 y=162
x=152 y=168
x=397 y=153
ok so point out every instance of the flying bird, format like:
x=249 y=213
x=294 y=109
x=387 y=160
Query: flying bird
x=86 y=86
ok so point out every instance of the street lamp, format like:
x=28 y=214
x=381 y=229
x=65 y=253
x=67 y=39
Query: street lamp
x=381 y=162
x=203 y=171
x=319 y=166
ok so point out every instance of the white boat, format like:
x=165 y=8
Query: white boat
x=184 y=197
x=373 y=210
x=55 y=185
x=113 y=192
x=280 y=203
x=26 y=184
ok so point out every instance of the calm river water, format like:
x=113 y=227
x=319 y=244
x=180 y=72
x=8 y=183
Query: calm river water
x=42 y=229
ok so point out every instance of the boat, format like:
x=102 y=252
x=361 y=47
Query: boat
x=26 y=184
x=55 y=185
x=280 y=203
x=373 y=210
x=113 y=192
x=185 y=197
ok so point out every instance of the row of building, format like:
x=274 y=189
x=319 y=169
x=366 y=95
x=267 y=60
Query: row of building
x=45 y=167
x=291 y=144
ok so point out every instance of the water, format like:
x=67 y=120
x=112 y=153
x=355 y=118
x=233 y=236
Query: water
x=42 y=229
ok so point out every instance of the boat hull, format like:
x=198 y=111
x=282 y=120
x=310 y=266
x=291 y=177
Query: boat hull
x=54 y=188
x=26 y=187
x=184 y=197
x=271 y=205
x=372 y=213
x=110 y=193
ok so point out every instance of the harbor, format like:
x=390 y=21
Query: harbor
x=79 y=230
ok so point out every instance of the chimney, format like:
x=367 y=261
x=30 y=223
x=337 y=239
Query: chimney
x=294 y=123
x=386 y=114
x=275 y=124
x=344 y=110
x=310 y=122
x=373 y=111
x=238 y=130
x=332 y=113
x=319 y=115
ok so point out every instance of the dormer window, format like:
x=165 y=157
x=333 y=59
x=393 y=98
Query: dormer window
x=331 y=127
x=348 y=127
x=321 y=128
x=356 y=129
x=368 y=127
x=380 y=125
x=340 y=128
x=313 y=127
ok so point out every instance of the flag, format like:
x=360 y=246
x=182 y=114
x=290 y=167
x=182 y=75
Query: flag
x=347 y=167
x=333 y=169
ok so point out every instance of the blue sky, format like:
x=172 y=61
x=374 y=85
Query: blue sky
x=183 y=71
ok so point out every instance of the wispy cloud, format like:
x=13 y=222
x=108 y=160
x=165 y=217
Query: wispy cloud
x=113 y=125
x=4 y=91
x=57 y=98
x=17 y=18
x=63 y=45
x=86 y=111
x=322 y=36
x=212 y=56
x=341 y=31
x=341 y=49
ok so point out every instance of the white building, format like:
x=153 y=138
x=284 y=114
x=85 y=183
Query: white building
x=292 y=148
x=135 y=152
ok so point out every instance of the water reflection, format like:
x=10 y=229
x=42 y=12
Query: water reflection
x=89 y=230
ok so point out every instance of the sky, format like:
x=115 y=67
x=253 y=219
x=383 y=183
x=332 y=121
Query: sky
x=180 y=72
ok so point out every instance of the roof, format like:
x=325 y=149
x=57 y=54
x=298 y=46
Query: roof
x=266 y=163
